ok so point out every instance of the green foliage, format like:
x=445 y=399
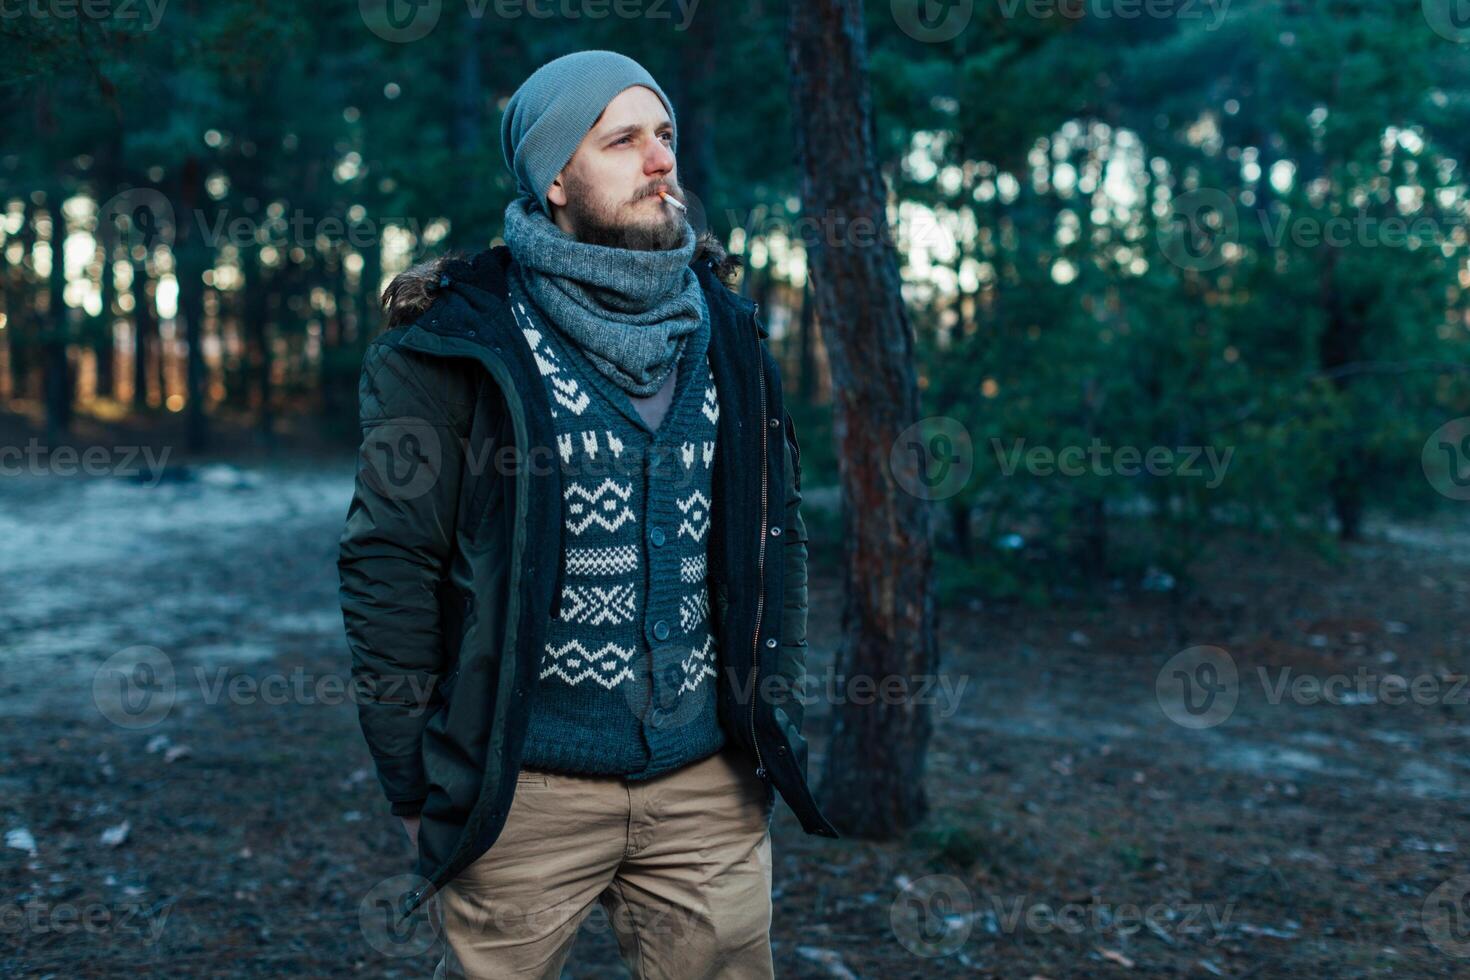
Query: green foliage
x=1313 y=370
x=954 y=842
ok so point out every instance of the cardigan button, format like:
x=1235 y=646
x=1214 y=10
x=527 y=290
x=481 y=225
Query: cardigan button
x=661 y=630
x=656 y=536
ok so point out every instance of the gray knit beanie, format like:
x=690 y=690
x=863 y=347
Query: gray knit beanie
x=554 y=109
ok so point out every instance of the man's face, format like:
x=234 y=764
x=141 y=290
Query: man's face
x=607 y=194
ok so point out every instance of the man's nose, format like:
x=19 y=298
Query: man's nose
x=660 y=160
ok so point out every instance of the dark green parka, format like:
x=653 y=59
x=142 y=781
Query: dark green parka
x=450 y=560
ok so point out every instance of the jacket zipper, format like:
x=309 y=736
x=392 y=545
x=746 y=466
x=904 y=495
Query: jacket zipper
x=760 y=602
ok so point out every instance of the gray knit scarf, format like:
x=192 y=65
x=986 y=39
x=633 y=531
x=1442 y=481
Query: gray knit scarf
x=630 y=311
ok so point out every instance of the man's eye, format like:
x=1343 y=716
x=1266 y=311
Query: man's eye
x=623 y=139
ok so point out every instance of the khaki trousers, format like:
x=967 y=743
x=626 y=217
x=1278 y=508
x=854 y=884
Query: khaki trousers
x=681 y=863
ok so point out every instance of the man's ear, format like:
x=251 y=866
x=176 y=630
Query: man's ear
x=557 y=194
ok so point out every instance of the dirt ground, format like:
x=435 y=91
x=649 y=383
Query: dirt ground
x=1078 y=829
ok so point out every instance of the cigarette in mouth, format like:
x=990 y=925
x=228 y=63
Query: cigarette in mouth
x=672 y=200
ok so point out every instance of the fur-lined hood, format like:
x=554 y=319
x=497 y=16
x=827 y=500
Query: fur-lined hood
x=412 y=292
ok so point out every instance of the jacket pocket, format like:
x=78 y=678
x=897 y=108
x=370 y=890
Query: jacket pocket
x=790 y=431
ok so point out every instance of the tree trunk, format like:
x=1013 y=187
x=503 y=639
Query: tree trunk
x=58 y=376
x=103 y=343
x=369 y=316
x=806 y=381
x=18 y=312
x=959 y=522
x=7 y=328
x=1342 y=343
x=465 y=126
x=699 y=56
x=873 y=783
x=193 y=260
x=257 y=338
x=1092 y=548
x=337 y=366
x=145 y=334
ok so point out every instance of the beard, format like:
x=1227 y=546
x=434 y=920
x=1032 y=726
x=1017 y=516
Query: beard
x=597 y=223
